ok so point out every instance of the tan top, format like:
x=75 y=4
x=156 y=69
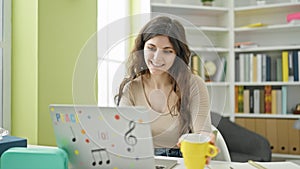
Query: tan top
x=165 y=128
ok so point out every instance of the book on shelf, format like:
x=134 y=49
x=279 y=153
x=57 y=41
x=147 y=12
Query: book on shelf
x=291 y=67
x=196 y=65
x=285 y=66
x=261 y=99
x=268 y=99
x=295 y=65
x=236 y=100
x=284 y=100
x=279 y=69
x=245 y=45
x=263 y=67
x=246 y=101
x=256 y=95
x=210 y=70
x=240 y=99
x=254 y=25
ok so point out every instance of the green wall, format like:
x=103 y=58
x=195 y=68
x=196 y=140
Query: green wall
x=48 y=36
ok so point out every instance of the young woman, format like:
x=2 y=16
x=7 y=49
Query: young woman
x=159 y=78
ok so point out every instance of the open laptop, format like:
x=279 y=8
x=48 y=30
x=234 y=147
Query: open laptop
x=106 y=137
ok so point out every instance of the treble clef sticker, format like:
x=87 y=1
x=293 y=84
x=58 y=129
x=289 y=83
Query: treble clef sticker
x=130 y=139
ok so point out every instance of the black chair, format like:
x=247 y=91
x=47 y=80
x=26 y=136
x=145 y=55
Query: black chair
x=243 y=144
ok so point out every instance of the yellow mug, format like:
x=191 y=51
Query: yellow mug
x=195 y=148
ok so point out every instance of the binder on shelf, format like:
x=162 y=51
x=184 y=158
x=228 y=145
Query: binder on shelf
x=294 y=138
x=240 y=121
x=260 y=126
x=285 y=66
x=271 y=134
x=250 y=124
x=282 y=135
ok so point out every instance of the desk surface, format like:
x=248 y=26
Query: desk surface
x=227 y=165
x=236 y=165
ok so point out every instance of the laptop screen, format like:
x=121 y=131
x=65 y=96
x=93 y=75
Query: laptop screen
x=104 y=137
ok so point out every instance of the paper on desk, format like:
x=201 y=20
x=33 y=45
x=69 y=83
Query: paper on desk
x=269 y=165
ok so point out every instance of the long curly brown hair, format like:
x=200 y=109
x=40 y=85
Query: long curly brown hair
x=179 y=71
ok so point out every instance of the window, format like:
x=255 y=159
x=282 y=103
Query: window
x=5 y=62
x=112 y=44
x=116 y=31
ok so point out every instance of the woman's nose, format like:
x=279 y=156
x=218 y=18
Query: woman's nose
x=157 y=54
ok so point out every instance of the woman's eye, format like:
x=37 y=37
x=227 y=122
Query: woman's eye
x=151 y=48
x=168 y=51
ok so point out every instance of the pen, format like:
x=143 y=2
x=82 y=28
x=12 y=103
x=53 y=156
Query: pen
x=256 y=165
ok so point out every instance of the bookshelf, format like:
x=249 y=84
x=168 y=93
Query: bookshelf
x=212 y=33
x=210 y=37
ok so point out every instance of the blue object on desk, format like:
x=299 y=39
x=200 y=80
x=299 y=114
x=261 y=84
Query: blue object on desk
x=11 y=141
x=34 y=158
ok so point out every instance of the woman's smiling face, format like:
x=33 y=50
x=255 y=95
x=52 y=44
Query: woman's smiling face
x=159 y=54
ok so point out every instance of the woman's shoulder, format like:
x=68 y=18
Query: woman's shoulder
x=135 y=83
x=195 y=79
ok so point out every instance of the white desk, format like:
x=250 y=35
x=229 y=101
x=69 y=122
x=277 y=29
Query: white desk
x=235 y=165
x=225 y=165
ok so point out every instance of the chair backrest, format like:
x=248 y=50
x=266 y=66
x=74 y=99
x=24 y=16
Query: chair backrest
x=221 y=144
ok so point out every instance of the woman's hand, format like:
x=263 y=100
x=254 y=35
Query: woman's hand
x=212 y=141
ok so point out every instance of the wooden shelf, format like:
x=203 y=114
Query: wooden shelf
x=207 y=28
x=273 y=28
x=267 y=48
x=210 y=49
x=267 y=83
x=266 y=7
x=187 y=9
x=282 y=116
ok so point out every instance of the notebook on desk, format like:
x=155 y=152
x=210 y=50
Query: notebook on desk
x=105 y=137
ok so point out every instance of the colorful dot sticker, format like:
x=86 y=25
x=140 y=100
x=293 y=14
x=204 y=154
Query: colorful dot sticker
x=76 y=152
x=113 y=145
x=117 y=117
x=140 y=121
x=100 y=118
x=116 y=168
x=52 y=109
x=82 y=131
x=87 y=140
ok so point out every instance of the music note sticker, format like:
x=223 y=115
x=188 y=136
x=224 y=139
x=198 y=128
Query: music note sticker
x=130 y=139
x=73 y=134
x=99 y=152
